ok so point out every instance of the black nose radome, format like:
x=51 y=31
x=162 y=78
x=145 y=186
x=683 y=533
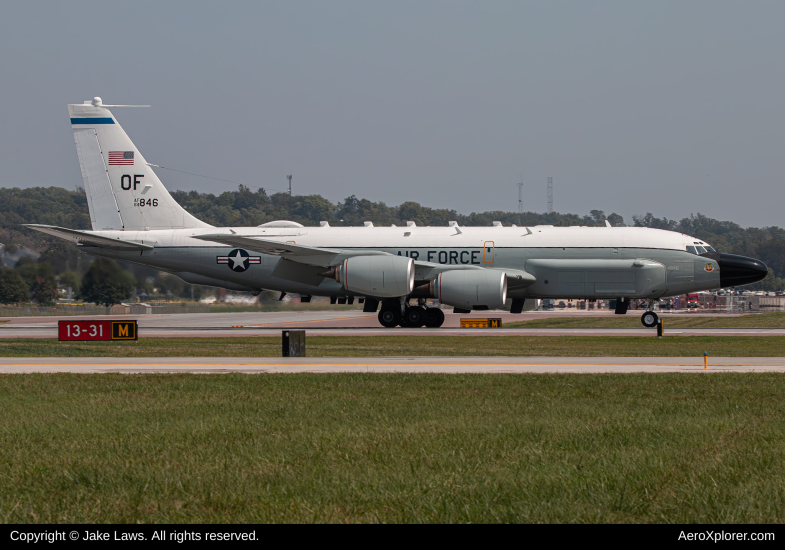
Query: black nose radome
x=739 y=270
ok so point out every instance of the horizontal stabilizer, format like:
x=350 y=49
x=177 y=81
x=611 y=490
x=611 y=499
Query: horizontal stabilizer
x=87 y=239
x=310 y=255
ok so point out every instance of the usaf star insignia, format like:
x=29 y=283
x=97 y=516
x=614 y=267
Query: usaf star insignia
x=238 y=260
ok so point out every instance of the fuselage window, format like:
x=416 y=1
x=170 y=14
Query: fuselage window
x=691 y=250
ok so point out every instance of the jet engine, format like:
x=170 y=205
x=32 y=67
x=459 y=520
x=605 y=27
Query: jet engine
x=377 y=276
x=471 y=288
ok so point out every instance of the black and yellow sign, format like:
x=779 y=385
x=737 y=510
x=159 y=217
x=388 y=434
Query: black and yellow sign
x=124 y=330
x=481 y=323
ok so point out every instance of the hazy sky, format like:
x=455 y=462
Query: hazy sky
x=671 y=107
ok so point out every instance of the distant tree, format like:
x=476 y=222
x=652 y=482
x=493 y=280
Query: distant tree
x=63 y=256
x=44 y=290
x=13 y=289
x=650 y=221
x=166 y=283
x=70 y=279
x=411 y=212
x=106 y=283
x=39 y=279
x=598 y=216
x=615 y=219
x=23 y=261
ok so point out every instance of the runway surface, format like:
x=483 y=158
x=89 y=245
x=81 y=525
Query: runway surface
x=452 y=365
x=349 y=323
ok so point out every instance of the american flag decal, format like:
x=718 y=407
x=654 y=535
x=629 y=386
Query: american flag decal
x=121 y=158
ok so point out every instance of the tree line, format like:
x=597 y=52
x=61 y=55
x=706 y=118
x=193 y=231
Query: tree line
x=61 y=266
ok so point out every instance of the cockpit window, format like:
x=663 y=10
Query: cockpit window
x=691 y=250
x=701 y=250
x=710 y=249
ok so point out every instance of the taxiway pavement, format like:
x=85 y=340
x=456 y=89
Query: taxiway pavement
x=448 y=365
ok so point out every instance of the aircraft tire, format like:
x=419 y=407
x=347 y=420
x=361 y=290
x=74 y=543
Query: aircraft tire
x=389 y=318
x=434 y=317
x=414 y=317
x=649 y=319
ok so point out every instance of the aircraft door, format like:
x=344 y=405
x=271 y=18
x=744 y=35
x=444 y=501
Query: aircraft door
x=488 y=252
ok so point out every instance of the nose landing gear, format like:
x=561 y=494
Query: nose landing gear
x=649 y=319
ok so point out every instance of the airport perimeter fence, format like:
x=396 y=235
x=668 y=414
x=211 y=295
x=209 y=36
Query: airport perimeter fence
x=739 y=304
x=61 y=310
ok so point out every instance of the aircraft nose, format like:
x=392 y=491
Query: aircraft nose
x=740 y=270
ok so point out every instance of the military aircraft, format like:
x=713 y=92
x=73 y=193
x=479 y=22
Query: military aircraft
x=135 y=219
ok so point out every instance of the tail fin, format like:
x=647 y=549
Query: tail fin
x=123 y=192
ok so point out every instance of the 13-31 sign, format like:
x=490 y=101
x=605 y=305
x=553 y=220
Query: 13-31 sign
x=97 y=330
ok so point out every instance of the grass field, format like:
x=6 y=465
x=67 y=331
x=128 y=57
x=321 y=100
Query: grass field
x=633 y=320
x=392 y=448
x=396 y=346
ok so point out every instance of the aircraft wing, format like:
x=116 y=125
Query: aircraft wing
x=299 y=253
x=87 y=239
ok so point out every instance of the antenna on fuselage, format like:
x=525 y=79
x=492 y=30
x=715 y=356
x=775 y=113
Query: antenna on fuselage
x=520 y=201
x=550 y=195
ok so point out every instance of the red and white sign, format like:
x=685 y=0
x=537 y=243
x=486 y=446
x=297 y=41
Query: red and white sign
x=84 y=330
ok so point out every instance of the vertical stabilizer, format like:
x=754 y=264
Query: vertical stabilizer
x=123 y=192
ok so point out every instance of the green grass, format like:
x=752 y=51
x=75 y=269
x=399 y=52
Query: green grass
x=632 y=320
x=392 y=448
x=395 y=346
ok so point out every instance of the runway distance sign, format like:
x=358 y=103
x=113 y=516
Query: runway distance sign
x=87 y=331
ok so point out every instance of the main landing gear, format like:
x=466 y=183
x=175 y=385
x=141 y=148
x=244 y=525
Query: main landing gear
x=412 y=317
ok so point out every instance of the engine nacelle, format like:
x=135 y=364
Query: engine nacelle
x=471 y=288
x=377 y=276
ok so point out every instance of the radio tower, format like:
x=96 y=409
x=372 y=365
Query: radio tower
x=550 y=195
x=290 y=184
x=520 y=202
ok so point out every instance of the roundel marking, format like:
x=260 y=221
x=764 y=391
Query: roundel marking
x=238 y=260
x=709 y=267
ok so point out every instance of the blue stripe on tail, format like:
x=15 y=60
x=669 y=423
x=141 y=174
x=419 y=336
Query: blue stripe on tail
x=92 y=121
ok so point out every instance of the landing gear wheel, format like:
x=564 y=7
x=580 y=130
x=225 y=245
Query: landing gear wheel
x=414 y=317
x=649 y=319
x=434 y=317
x=389 y=318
